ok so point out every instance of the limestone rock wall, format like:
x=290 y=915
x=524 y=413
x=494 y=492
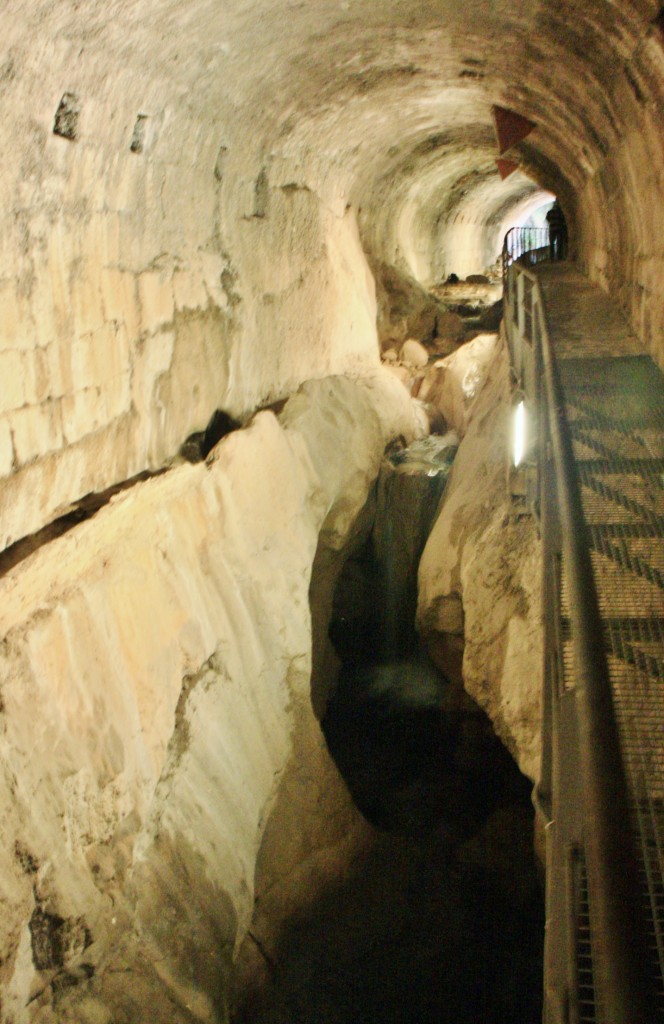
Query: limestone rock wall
x=155 y=700
x=152 y=269
x=480 y=577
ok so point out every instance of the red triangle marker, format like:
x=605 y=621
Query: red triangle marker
x=510 y=128
x=506 y=167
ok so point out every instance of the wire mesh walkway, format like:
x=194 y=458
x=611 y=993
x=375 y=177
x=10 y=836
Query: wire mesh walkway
x=614 y=402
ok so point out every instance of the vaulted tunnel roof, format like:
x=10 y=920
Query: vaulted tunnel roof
x=230 y=162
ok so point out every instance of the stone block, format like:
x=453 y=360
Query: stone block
x=58 y=368
x=102 y=358
x=156 y=298
x=6 y=448
x=85 y=299
x=35 y=376
x=121 y=347
x=116 y=396
x=120 y=298
x=151 y=361
x=126 y=184
x=12 y=388
x=37 y=430
x=11 y=331
x=189 y=290
x=58 y=282
x=99 y=356
x=82 y=413
x=84 y=368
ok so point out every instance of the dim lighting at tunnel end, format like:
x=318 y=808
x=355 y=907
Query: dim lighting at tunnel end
x=519 y=434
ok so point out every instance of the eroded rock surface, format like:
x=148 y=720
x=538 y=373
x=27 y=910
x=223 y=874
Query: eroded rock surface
x=480 y=577
x=407 y=310
x=453 y=384
x=155 y=693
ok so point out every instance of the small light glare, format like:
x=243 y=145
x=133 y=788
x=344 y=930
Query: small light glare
x=519 y=433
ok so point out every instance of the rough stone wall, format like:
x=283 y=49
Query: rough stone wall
x=620 y=210
x=105 y=281
x=154 y=680
x=151 y=270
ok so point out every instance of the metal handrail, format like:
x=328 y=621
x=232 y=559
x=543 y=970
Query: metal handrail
x=622 y=978
x=525 y=243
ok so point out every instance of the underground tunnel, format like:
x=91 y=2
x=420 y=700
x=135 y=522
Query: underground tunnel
x=251 y=255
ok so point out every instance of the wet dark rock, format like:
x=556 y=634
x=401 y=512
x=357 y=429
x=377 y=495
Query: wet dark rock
x=407 y=310
x=199 y=445
x=416 y=751
x=491 y=318
x=56 y=939
x=373 y=615
x=419 y=932
x=439 y=921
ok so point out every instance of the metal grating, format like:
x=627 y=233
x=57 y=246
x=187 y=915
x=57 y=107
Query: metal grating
x=616 y=415
x=585 y=984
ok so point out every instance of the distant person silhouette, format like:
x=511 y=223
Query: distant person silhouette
x=557 y=232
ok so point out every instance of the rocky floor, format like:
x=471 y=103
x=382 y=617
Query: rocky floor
x=477 y=303
x=442 y=920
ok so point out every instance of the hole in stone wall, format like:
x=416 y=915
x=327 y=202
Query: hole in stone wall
x=138 y=138
x=67 y=116
x=261 y=190
x=219 y=164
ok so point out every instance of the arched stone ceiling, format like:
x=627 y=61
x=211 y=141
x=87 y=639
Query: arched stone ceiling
x=199 y=243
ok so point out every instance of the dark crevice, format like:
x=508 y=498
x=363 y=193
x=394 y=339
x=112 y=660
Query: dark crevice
x=137 y=144
x=66 y=117
x=440 y=921
x=84 y=509
x=659 y=24
x=417 y=932
x=219 y=163
x=195 y=448
x=199 y=445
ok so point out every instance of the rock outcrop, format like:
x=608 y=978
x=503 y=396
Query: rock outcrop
x=406 y=310
x=156 y=717
x=480 y=577
x=453 y=384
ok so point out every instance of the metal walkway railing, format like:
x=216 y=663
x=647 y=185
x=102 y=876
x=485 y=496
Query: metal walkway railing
x=529 y=244
x=595 y=466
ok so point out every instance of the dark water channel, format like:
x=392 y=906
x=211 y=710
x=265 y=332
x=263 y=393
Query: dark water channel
x=442 y=921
